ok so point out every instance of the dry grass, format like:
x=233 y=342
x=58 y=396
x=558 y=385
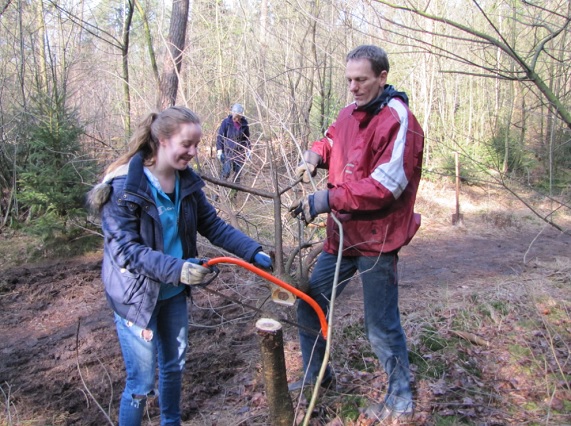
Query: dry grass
x=496 y=356
x=485 y=349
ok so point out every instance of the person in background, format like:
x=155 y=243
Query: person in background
x=373 y=153
x=152 y=206
x=233 y=143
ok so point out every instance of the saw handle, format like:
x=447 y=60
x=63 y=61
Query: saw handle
x=277 y=281
x=214 y=269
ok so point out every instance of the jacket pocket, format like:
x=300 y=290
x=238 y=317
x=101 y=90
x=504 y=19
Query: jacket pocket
x=123 y=286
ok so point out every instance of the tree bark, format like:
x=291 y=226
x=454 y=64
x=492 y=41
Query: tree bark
x=41 y=39
x=128 y=18
x=175 y=49
x=274 y=370
x=149 y=41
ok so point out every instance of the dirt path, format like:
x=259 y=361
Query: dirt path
x=59 y=352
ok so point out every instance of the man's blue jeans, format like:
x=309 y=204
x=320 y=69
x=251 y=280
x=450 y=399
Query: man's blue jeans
x=165 y=339
x=382 y=319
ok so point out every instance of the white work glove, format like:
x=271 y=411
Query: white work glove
x=304 y=170
x=192 y=273
x=220 y=155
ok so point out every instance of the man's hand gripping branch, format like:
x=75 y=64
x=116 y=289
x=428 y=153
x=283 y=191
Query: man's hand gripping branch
x=311 y=205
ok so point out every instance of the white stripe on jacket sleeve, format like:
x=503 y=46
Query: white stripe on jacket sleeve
x=391 y=175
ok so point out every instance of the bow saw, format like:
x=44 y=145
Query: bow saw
x=269 y=277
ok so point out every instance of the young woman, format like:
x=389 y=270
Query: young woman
x=152 y=206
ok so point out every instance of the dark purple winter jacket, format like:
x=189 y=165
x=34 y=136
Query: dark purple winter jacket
x=235 y=142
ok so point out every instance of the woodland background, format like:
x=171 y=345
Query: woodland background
x=489 y=82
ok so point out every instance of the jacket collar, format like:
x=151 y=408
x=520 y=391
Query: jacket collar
x=136 y=180
x=377 y=104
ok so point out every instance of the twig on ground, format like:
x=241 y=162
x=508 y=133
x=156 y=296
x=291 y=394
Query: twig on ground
x=471 y=337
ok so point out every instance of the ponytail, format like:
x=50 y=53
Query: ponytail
x=142 y=140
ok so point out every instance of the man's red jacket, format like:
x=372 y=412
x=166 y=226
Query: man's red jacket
x=374 y=164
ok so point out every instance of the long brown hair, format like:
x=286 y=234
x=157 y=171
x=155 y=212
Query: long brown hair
x=155 y=126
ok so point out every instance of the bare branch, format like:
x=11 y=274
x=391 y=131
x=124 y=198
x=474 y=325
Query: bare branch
x=526 y=67
x=5 y=7
x=90 y=28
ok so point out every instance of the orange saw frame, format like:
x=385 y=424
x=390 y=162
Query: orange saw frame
x=277 y=281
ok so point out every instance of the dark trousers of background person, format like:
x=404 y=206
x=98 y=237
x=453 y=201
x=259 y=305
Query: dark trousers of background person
x=232 y=166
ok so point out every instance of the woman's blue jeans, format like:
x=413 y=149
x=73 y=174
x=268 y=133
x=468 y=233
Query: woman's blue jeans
x=164 y=340
x=382 y=319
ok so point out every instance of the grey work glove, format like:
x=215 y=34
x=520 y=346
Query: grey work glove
x=311 y=205
x=308 y=166
x=192 y=273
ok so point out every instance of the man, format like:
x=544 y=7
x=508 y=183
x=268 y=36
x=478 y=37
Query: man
x=233 y=143
x=373 y=153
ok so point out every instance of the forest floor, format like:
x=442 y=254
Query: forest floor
x=486 y=306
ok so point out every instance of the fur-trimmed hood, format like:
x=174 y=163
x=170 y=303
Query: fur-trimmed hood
x=100 y=193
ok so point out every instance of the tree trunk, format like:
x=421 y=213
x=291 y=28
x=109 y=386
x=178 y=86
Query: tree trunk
x=149 y=41
x=128 y=18
x=43 y=71
x=273 y=365
x=173 y=62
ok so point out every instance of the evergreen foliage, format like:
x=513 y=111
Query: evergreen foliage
x=54 y=178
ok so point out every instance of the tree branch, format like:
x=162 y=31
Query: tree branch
x=543 y=87
x=87 y=27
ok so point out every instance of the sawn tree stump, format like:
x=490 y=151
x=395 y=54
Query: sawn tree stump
x=274 y=370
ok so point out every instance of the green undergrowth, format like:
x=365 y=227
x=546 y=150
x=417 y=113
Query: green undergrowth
x=18 y=247
x=492 y=354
